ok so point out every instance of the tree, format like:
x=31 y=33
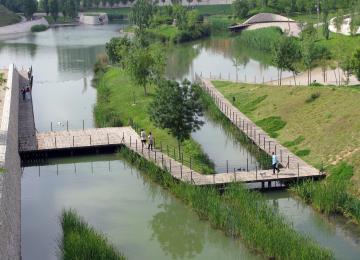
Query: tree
x=29 y=7
x=285 y=54
x=145 y=64
x=44 y=4
x=176 y=108
x=356 y=63
x=54 y=9
x=347 y=66
x=141 y=14
x=240 y=8
x=309 y=55
x=117 y=49
x=326 y=30
x=339 y=20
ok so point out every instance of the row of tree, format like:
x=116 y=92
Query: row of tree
x=291 y=54
x=243 y=7
x=69 y=8
x=28 y=7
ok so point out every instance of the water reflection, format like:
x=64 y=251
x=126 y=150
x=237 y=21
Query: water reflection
x=176 y=233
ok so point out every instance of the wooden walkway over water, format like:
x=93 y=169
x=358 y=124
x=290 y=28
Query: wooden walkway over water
x=32 y=142
x=118 y=136
x=257 y=135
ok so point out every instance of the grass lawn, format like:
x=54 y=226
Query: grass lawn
x=341 y=45
x=7 y=17
x=323 y=121
x=115 y=100
x=168 y=32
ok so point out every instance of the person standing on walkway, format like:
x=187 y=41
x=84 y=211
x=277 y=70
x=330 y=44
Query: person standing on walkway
x=23 y=93
x=274 y=163
x=151 y=141
x=143 y=138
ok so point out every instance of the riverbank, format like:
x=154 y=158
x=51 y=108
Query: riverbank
x=22 y=27
x=240 y=213
x=114 y=88
x=303 y=126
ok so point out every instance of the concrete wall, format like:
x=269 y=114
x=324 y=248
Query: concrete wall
x=101 y=18
x=10 y=180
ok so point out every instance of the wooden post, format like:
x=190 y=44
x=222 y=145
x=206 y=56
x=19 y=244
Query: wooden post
x=130 y=141
x=275 y=149
x=51 y=126
x=247 y=163
x=227 y=166
x=155 y=156
x=67 y=125
x=191 y=176
x=214 y=178
x=288 y=164
x=181 y=171
x=90 y=140
x=162 y=160
x=190 y=162
x=55 y=142
x=83 y=124
x=136 y=146
x=298 y=169
x=264 y=143
x=170 y=165
x=234 y=175
x=256 y=172
x=73 y=141
x=108 y=138
x=280 y=155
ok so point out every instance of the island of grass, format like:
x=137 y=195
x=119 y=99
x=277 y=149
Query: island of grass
x=7 y=17
x=319 y=124
x=120 y=102
x=81 y=241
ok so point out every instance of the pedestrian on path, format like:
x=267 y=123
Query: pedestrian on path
x=143 y=138
x=275 y=163
x=23 y=93
x=151 y=141
x=27 y=93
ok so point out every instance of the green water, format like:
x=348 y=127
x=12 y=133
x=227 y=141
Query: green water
x=139 y=217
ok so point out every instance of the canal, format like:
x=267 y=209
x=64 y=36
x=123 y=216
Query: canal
x=117 y=199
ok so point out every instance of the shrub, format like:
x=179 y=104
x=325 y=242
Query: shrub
x=39 y=28
x=312 y=97
x=302 y=153
x=271 y=125
x=80 y=241
x=297 y=141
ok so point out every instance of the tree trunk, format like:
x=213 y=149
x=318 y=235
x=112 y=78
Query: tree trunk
x=294 y=77
x=336 y=80
x=179 y=147
x=145 y=90
x=280 y=76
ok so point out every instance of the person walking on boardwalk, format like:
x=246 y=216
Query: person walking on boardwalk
x=143 y=138
x=23 y=93
x=151 y=141
x=274 y=163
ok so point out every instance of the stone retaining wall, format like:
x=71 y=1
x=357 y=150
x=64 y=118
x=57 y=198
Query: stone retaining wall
x=10 y=179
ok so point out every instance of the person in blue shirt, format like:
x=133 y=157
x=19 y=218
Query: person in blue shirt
x=274 y=163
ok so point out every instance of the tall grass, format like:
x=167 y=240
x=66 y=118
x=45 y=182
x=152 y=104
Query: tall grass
x=261 y=39
x=332 y=195
x=80 y=241
x=240 y=213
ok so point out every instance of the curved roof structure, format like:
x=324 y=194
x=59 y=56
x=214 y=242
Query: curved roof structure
x=266 y=18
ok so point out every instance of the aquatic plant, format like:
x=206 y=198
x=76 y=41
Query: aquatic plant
x=240 y=213
x=80 y=241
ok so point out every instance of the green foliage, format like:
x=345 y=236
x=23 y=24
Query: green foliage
x=295 y=142
x=81 y=241
x=312 y=97
x=44 y=5
x=39 y=28
x=240 y=8
x=302 y=153
x=117 y=49
x=252 y=105
x=29 y=7
x=54 y=9
x=356 y=63
x=239 y=213
x=331 y=195
x=141 y=14
x=69 y=8
x=7 y=17
x=271 y=125
x=261 y=39
x=176 y=108
x=2 y=79
x=286 y=53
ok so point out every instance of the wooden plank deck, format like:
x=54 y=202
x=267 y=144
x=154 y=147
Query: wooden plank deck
x=27 y=130
x=257 y=135
x=127 y=136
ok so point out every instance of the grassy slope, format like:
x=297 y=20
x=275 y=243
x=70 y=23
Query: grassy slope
x=168 y=32
x=115 y=97
x=330 y=124
x=7 y=17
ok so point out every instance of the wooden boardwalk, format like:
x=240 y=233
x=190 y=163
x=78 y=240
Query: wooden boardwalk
x=99 y=137
x=27 y=130
x=259 y=137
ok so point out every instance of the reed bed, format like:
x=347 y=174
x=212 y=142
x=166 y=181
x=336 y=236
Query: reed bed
x=261 y=39
x=240 y=213
x=81 y=241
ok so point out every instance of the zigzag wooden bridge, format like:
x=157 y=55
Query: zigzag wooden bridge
x=76 y=142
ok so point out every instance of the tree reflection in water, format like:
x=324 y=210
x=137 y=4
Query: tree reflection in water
x=177 y=234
